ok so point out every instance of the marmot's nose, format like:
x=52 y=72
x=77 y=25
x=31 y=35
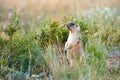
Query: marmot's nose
x=68 y=25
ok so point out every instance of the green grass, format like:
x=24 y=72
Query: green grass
x=41 y=49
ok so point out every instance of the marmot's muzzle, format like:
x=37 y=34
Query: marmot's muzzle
x=70 y=25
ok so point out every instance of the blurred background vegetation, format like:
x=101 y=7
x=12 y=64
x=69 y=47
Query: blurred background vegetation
x=33 y=34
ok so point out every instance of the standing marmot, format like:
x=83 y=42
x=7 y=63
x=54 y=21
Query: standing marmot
x=73 y=46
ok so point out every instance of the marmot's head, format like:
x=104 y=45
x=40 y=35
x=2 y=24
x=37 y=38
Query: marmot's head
x=73 y=28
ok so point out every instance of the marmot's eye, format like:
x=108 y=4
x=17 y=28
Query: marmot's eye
x=72 y=24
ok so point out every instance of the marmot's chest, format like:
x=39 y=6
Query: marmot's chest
x=73 y=38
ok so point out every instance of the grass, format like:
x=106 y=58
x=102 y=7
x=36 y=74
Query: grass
x=40 y=49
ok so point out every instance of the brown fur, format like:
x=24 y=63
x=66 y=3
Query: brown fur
x=73 y=46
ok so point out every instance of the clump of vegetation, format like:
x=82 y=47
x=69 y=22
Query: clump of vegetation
x=53 y=32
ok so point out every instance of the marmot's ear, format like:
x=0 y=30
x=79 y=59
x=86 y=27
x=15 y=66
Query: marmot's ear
x=78 y=27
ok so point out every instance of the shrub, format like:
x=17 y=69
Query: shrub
x=53 y=32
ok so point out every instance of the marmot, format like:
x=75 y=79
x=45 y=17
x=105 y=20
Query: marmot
x=73 y=46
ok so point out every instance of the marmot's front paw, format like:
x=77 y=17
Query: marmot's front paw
x=65 y=49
